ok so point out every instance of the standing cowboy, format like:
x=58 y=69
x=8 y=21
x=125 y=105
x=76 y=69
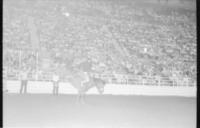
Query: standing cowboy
x=5 y=81
x=24 y=81
x=55 y=84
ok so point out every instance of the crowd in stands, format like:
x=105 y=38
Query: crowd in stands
x=157 y=40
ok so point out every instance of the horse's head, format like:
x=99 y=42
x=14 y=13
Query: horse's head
x=101 y=90
x=100 y=86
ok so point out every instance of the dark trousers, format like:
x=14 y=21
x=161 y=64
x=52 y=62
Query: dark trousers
x=55 y=88
x=23 y=86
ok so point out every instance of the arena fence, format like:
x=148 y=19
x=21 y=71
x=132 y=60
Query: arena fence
x=116 y=85
x=115 y=79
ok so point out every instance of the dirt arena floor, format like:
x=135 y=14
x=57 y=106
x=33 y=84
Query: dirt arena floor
x=105 y=111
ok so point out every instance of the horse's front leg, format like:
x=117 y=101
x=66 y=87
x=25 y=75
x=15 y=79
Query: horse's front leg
x=78 y=99
x=82 y=98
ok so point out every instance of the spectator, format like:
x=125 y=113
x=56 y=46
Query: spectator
x=55 y=84
x=24 y=81
x=5 y=89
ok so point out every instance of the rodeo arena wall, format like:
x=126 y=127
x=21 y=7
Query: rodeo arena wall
x=121 y=85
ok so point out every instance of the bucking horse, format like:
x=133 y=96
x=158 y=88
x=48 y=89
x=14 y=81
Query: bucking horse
x=82 y=86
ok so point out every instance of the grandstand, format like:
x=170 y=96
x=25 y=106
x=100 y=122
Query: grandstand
x=136 y=47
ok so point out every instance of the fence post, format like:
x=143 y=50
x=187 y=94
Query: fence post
x=194 y=84
x=37 y=62
x=20 y=59
x=159 y=79
x=20 y=63
x=142 y=81
x=126 y=80
x=187 y=79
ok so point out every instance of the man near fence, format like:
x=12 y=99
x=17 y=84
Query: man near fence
x=55 y=83
x=24 y=81
x=5 y=81
x=85 y=78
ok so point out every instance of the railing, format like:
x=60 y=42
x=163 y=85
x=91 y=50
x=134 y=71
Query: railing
x=146 y=80
x=114 y=79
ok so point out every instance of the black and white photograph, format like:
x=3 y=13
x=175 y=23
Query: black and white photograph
x=99 y=64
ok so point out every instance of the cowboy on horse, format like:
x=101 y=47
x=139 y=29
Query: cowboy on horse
x=82 y=80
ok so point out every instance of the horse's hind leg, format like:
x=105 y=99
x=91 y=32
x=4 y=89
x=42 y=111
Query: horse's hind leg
x=78 y=99
x=83 y=98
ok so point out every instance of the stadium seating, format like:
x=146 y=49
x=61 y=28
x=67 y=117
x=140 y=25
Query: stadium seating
x=159 y=41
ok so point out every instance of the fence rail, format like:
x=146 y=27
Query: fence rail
x=147 y=80
x=113 y=79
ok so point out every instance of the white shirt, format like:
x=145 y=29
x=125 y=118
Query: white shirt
x=24 y=75
x=55 y=78
x=86 y=78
